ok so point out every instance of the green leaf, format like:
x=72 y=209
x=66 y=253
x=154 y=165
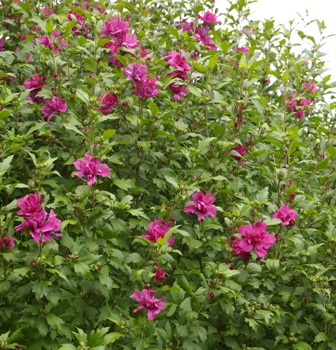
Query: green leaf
x=83 y=96
x=285 y=75
x=67 y=347
x=109 y=133
x=252 y=323
x=124 y=184
x=243 y=62
x=185 y=305
x=213 y=61
x=320 y=337
x=4 y=114
x=301 y=346
x=54 y=321
x=72 y=127
x=112 y=337
x=5 y=164
x=204 y=145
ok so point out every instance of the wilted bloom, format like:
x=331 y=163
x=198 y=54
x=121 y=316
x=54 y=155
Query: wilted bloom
x=51 y=107
x=90 y=167
x=7 y=242
x=310 y=86
x=209 y=17
x=285 y=214
x=157 y=229
x=203 y=205
x=2 y=44
x=255 y=237
x=160 y=275
x=148 y=301
x=41 y=228
x=240 y=150
x=108 y=100
x=114 y=26
x=29 y=204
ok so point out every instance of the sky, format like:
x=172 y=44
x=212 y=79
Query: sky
x=284 y=10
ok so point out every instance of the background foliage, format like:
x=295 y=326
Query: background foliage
x=231 y=133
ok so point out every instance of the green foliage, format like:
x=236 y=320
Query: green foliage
x=74 y=292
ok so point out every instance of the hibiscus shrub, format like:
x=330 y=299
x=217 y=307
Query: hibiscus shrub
x=167 y=178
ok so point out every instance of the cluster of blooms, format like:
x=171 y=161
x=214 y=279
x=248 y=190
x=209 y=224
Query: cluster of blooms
x=90 y=168
x=255 y=237
x=201 y=32
x=178 y=61
x=297 y=105
x=145 y=87
x=51 y=106
x=117 y=30
x=35 y=219
x=108 y=101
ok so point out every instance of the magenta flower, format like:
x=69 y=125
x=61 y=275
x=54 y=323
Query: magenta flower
x=285 y=214
x=51 y=107
x=90 y=167
x=127 y=40
x=234 y=242
x=114 y=26
x=255 y=237
x=45 y=41
x=136 y=72
x=242 y=49
x=156 y=229
x=310 y=86
x=148 y=301
x=108 y=100
x=291 y=101
x=29 y=205
x=33 y=82
x=241 y=150
x=208 y=17
x=177 y=60
x=186 y=26
x=7 y=242
x=203 y=205
x=147 y=88
x=179 y=91
x=40 y=228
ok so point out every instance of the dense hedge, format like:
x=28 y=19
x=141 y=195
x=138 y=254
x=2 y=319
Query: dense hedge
x=167 y=179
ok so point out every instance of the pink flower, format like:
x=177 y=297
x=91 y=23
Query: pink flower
x=74 y=15
x=90 y=167
x=160 y=275
x=305 y=102
x=33 y=82
x=177 y=60
x=147 y=88
x=157 y=229
x=45 y=41
x=108 y=100
x=291 y=101
x=51 y=107
x=285 y=214
x=179 y=91
x=136 y=72
x=241 y=150
x=310 y=86
x=128 y=40
x=148 y=301
x=208 y=17
x=242 y=49
x=7 y=242
x=203 y=204
x=114 y=26
x=186 y=26
x=255 y=237
x=29 y=205
x=48 y=11
x=234 y=242
x=40 y=228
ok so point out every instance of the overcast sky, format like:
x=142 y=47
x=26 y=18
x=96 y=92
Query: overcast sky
x=284 y=10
